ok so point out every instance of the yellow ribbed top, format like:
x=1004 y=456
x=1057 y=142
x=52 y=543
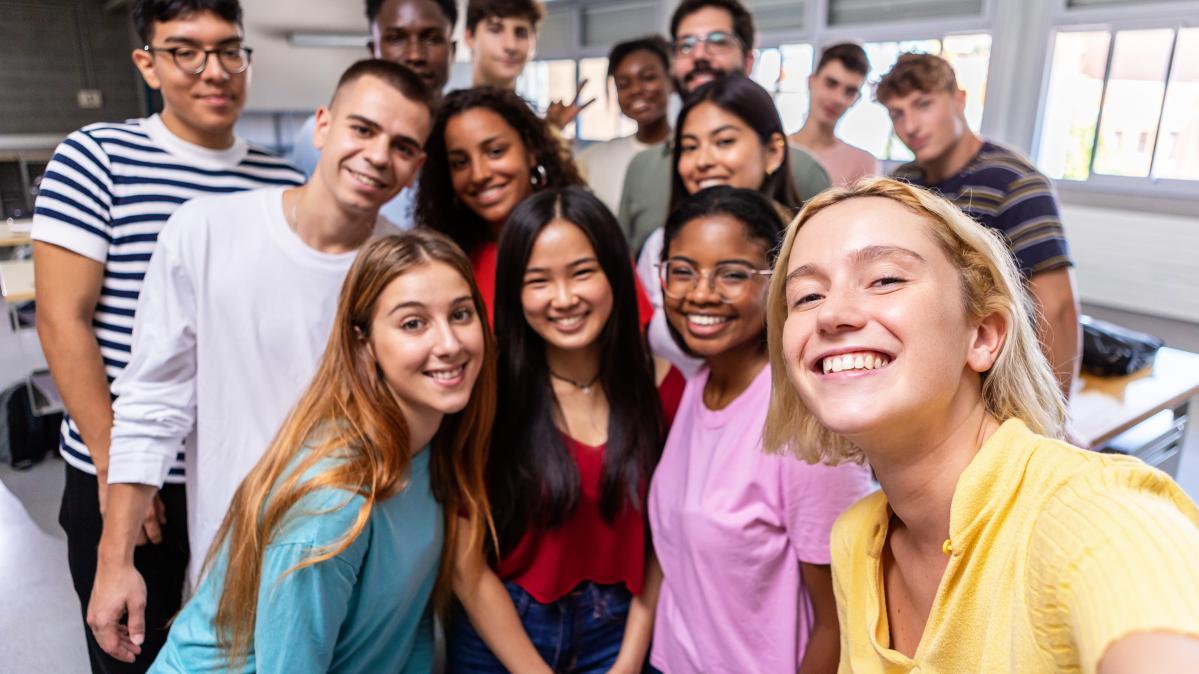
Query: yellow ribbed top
x=1056 y=554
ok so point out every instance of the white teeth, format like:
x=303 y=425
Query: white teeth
x=701 y=319
x=853 y=361
x=710 y=182
x=568 y=321
x=446 y=375
x=365 y=179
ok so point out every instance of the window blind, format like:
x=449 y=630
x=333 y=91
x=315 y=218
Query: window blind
x=605 y=25
x=842 y=12
x=771 y=15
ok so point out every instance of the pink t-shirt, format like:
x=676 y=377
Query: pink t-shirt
x=730 y=526
x=845 y=163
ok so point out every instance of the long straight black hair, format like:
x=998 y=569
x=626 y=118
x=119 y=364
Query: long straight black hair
x=532 y=479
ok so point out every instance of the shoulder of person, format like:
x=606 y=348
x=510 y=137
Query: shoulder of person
x=321 y=517
x=909 y=172
x=1000 y=163
x=96 y=139
x=808 y=173
x=854 y=527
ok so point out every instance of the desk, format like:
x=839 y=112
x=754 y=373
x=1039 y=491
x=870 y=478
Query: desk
x=11 y=238
x=1107 y=411
x=16 y=281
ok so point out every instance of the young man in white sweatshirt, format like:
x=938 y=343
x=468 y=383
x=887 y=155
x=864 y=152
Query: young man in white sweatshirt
x=235 y=313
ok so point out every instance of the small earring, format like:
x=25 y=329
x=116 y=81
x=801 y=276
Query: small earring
x=538 y=179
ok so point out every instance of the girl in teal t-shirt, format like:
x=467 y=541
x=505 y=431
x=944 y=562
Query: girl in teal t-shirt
x=333 y=546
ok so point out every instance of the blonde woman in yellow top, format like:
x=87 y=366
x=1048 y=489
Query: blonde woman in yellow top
x=900 y=334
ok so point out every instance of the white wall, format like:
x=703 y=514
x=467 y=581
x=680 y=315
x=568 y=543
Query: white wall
x=1143 y=262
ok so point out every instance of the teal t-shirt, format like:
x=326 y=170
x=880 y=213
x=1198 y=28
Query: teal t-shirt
x=365 y=610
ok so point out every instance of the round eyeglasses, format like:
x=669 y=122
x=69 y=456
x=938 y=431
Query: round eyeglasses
x=729 y=280
x=193 y=60
x=717 y=42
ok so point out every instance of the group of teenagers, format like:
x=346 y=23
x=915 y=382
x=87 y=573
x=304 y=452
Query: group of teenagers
x=614 y=410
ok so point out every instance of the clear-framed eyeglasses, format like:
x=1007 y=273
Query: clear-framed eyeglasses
x=716 y=42
x=193 y=60
x=729 y=280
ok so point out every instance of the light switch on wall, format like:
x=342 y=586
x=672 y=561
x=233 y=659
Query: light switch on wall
x=90 y=99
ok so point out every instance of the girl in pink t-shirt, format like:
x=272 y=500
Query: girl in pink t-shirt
x=741 y=536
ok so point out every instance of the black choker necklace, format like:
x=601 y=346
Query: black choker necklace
x=585 y=387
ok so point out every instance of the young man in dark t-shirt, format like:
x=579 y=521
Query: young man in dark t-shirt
x=992 y=184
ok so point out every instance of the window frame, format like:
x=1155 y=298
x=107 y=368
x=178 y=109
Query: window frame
x=1109 y=190
x=818 y=33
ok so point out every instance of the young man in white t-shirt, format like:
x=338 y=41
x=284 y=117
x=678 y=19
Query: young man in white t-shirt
x=237 y=308
x=105 y=194
x=832 y=90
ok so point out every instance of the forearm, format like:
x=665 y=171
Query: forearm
x=1063 y=345
x=73 y=355
x=494 y=617
x=823 y=650
x=1057 y=323
x=127 y=505
x=639 y=627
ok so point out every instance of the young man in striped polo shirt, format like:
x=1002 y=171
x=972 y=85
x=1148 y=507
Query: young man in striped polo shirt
x=993 y=185
x=236 y=310
x=105 y=195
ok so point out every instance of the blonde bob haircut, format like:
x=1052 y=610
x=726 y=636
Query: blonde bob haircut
x=1020 y=383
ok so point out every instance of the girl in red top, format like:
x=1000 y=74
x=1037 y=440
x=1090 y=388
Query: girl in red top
x=579 y=428
x=488 y=151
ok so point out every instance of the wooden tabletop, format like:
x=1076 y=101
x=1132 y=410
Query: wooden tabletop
x=14 y=237
x=16 y=281
x=1107 y=406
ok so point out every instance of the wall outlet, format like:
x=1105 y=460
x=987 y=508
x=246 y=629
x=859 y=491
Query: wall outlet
x=90 y=99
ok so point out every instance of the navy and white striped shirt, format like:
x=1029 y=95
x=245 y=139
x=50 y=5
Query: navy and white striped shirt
x=1003 y=191
x=105 y=195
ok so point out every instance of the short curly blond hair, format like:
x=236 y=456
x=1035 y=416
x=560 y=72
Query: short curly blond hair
x=1020 y=383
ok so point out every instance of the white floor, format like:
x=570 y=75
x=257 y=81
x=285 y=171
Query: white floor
x=40 y=625
x=39 y=614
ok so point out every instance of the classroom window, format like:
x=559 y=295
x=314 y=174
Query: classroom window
x=1121 y=103
x=546 y=81
x=784 y=71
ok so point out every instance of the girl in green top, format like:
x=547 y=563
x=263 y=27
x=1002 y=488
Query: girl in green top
x=332 y=548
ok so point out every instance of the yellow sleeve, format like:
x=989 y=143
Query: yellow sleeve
x=1110 y=558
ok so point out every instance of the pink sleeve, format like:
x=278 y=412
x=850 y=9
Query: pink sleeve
x=814 y=497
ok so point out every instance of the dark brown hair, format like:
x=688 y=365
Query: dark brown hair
x=478 y=10
x=743 y=21
x=392 y=74
x=438 y=206
x=850 y=54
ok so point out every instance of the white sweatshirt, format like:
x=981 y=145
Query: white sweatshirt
x=232 y=320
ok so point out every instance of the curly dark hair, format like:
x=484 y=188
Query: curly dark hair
x=438 y=206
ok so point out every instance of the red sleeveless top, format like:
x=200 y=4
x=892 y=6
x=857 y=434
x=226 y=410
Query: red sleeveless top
x=550 y=563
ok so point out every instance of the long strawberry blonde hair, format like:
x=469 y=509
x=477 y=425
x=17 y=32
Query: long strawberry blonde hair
x=349 y=412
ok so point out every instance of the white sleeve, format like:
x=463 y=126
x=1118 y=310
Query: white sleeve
x=651 y=251
x=155 y=407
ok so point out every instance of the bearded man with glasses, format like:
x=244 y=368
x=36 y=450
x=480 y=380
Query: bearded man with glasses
x=711 y=39
x=105 y=195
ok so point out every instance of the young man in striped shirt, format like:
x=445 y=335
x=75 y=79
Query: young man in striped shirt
x=105 y=195
x=993 y=185
x=237 y=308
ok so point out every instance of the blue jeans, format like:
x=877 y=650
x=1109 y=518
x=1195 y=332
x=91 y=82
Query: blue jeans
x=579 y=633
